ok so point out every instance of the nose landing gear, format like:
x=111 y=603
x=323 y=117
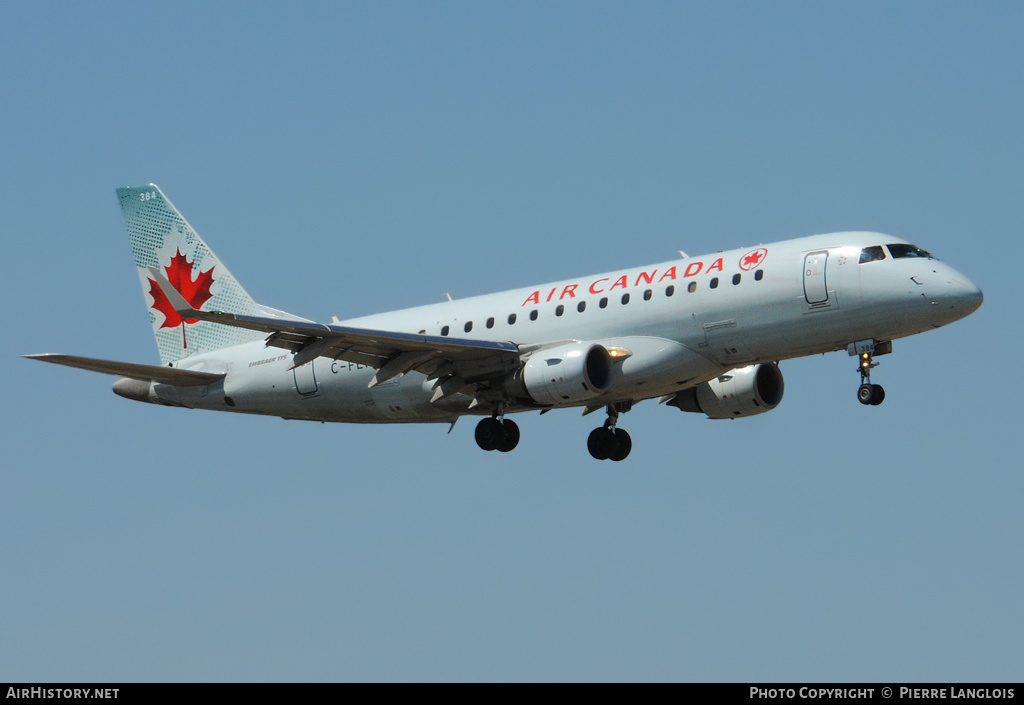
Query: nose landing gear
x=868 y=393
x=865 y=351
x=496 y=433
x=608 y=442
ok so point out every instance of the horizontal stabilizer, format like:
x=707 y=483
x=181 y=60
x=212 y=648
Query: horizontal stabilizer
x=150 y=373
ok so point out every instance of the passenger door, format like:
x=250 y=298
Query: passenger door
x=815 y=286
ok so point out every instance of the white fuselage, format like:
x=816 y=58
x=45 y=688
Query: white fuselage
x=685 y=321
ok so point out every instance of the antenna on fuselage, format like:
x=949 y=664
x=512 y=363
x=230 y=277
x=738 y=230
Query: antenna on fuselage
x=448 y=295
x=683 y=255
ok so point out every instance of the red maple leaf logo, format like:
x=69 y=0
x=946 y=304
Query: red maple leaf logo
x=752 y=259
x=197 y=293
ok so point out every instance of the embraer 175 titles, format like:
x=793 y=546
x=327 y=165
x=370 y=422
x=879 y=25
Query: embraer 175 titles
x=702 y=334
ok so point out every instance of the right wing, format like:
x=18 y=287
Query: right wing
x=458 y=364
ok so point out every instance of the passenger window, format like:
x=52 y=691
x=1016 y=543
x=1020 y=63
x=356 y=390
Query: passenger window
x=533 y=315
x=872 y=254
x=468 y=327
x=490 y=322
x=735 y=279
x=669 y=290
x=625 y=299
x=511 y=318
x=714 y=283
x=581 y=306
x=692 y=287
x=648 y=294
x=444 y=330
x=603 y=303
x=559 y=310
x=759 y=275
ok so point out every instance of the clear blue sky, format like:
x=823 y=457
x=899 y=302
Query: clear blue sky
x=344 y=159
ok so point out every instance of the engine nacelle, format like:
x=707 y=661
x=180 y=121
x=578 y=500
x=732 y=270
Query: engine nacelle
x=563 y=374
x=743 y=392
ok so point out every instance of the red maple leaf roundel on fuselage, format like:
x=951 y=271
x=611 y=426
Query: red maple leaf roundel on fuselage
x=179 y=274
x=753 y=258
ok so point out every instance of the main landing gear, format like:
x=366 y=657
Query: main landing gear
x=608 y=442
x=497 y=433
x=868 y=393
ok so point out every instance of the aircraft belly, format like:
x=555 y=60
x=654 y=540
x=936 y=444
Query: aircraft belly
x=350 y=398
x=315 y=391
x=398 y=399
x=401 y=399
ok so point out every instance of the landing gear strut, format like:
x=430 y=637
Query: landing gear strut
x=608 y=442
x=496 y=433
x=868 y=393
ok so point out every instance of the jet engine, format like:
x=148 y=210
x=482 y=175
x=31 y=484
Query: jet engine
x=742 y=392
x=563 y=374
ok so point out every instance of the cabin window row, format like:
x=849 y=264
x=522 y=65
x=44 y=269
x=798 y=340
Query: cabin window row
x=603 y=302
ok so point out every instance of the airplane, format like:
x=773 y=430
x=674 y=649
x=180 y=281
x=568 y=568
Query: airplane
x=701 y=334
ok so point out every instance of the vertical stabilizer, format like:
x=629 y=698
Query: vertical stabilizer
x=161 y=238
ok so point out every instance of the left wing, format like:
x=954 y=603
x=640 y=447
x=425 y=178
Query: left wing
x=458 y=364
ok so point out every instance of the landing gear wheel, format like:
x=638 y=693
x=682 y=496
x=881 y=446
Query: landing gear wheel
x=865 y=393
x=509 y=435
x=879 y=395
x=623 y=444
x=601 y=442
x=609 y=444
x=489 y=434
x=872 y=394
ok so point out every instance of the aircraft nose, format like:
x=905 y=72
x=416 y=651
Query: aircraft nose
x=967 y=297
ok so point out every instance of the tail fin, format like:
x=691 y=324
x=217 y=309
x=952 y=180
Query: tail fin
x=161 y=238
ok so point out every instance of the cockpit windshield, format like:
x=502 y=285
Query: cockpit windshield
x=902 y=250
x=872 y=254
